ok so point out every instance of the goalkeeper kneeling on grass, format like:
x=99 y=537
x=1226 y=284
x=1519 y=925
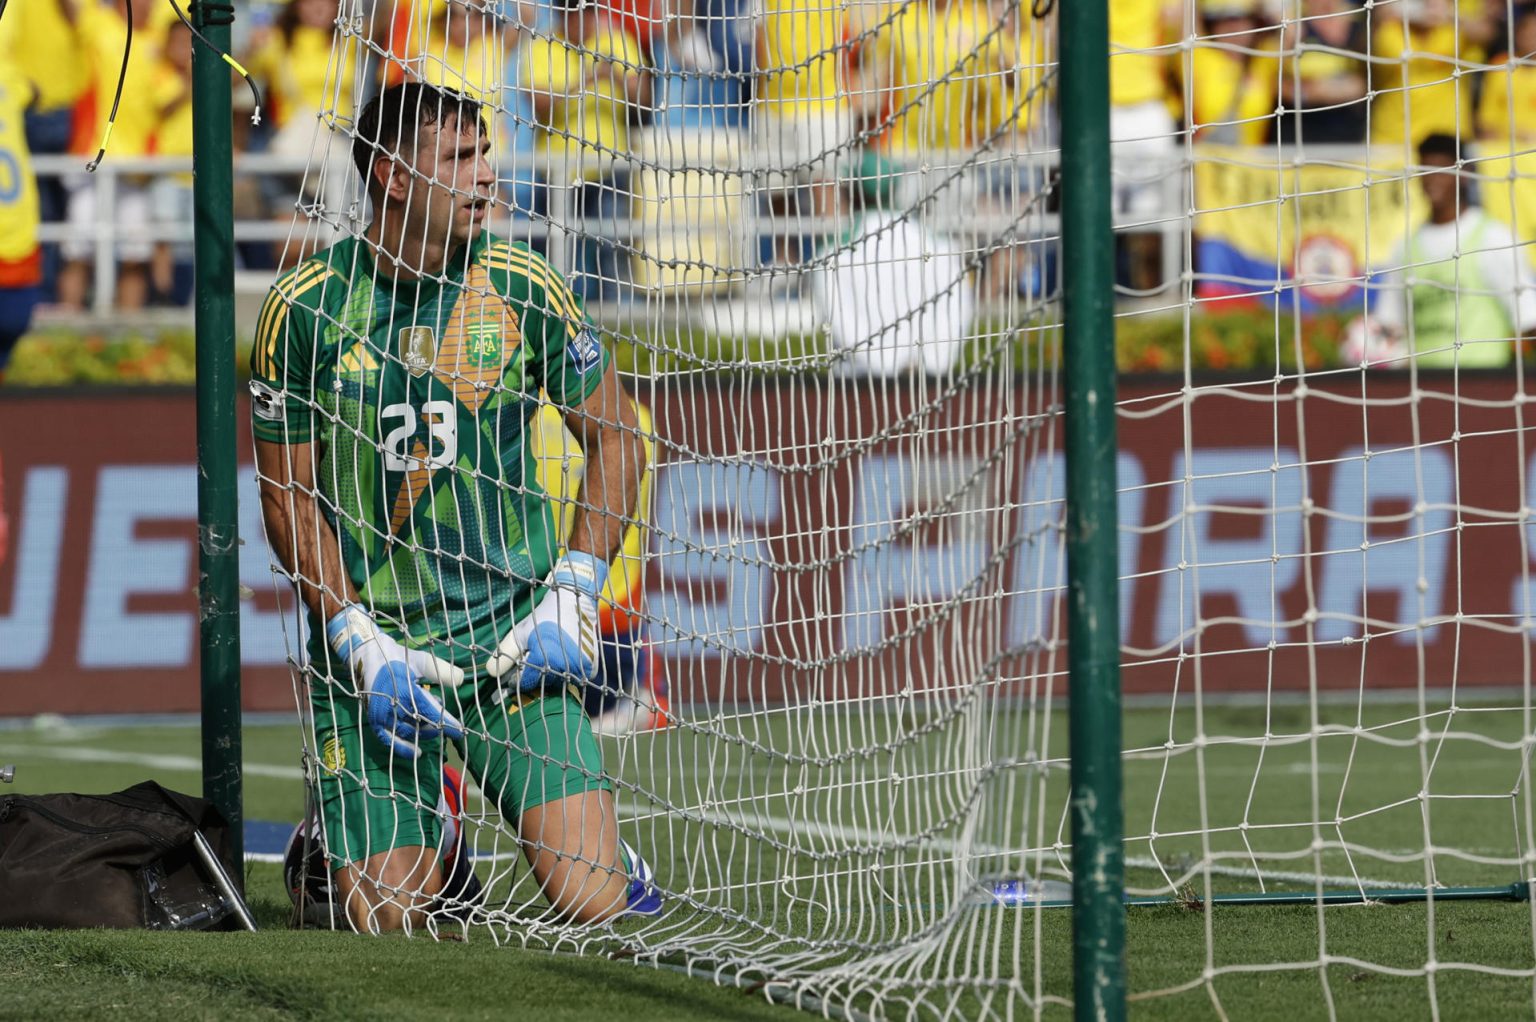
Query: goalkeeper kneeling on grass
x=394 y=377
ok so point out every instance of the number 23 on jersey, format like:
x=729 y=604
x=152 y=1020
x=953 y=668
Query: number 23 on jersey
x=442 y=436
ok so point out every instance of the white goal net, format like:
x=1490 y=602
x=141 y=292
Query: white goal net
x=819 y=245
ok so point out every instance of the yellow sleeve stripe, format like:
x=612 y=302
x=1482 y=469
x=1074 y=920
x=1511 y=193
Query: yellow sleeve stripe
x=518 y=259
x=279 y=317
x=556 y=293
x=556 y=302
x=560 y=288
x=275 y=297
x=275 y=307
x=298 y=279
x=274 y=312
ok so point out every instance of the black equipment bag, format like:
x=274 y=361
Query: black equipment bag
x=126 y=861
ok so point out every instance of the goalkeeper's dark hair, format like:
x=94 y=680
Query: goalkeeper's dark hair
x=397 y=113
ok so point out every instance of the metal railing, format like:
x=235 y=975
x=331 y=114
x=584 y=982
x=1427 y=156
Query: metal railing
x=559 y=228
x=105 y=235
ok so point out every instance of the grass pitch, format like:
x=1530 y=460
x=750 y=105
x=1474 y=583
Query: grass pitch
x=281 y=973
x=1381 y=784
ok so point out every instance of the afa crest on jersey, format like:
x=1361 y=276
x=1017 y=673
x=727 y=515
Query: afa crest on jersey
x=483 y=342
x=418 y=349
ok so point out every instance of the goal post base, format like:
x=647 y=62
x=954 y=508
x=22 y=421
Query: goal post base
x=1366 y=896
x=1363 y=896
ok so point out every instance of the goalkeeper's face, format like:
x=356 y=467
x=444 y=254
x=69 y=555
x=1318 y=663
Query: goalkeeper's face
x=454 y=182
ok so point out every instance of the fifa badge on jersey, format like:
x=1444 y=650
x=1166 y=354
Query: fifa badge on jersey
x=418 y=349
x=584 y=352
x=266 y=403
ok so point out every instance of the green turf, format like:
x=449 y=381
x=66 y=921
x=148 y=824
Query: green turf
x=1259 y=798
x=287 y=974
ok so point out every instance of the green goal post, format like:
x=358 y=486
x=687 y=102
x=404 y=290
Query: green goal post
x=218 y=538
x=1093 y=652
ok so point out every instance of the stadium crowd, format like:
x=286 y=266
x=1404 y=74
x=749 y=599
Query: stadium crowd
x=821 y=88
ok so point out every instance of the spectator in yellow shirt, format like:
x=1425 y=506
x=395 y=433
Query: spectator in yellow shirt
x=952 y=70
x=585 y=83
x=1324 y=79
x=804 y=119
x=103 y=27
x=20 y=259
x=1234 y=76
x=1141 y=129
x=294 y=68
x=1506 y=115
x=955 y=76
x=1418 y=52
x=466 y=49
x=54 y=59
x=312 y=97
x=803 y=110
x=1023 y=92
x=1140 y=70
x=171 y=194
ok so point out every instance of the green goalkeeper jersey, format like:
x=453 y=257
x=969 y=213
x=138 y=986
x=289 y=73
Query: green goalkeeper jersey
x=417 y=396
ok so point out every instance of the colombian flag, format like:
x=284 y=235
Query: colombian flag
x=1270 y=231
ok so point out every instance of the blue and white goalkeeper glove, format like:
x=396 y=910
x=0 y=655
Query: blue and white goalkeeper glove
x=557 y=644
x=400 y=711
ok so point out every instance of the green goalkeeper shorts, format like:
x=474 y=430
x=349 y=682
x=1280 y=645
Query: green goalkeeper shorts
x=523 y=753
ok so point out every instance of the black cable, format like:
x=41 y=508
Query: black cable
x=117 y=96
x=227 y=13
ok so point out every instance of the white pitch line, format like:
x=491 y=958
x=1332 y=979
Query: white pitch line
x=856 y=835
x=1446 y=765
x=185 y=764
x=1244 y=872
x=779 y=825
x=863 y=835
